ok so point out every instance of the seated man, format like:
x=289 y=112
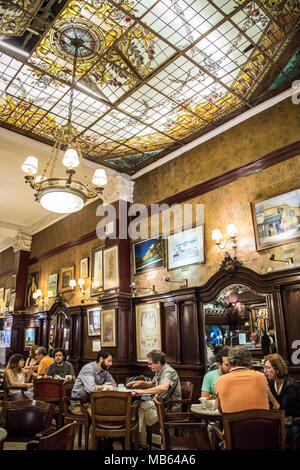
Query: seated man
x=91 y=378
x=208 y=384
x=44 y=361
x=165 y=384
x=60 y=366
x=242 y=388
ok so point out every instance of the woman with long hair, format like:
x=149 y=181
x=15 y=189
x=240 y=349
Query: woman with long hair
x=16 y=377
x=32 y=363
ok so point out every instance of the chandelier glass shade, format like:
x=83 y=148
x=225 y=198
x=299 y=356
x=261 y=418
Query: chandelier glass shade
x=64 y=195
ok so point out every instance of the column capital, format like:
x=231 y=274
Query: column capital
x=22 y=241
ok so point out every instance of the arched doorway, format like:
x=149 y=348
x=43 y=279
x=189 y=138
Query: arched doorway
x=59 y=327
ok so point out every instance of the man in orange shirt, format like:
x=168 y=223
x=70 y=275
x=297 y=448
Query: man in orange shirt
x=44 y=361
x=242 y=388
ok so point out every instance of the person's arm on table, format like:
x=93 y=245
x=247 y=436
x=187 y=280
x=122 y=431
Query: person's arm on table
x=139 y=384
x=162 y=388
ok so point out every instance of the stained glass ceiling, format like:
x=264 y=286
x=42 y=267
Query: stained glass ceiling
x=151 y=75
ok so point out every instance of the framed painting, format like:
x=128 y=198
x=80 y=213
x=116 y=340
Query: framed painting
x=2 y=289
x=148 y=329
x=108 y=328
x=12 y=302
x=186 y=247
x=96 y=345
x=32 y=286
x=29 y=339
x=84 y=268
x=148 y=254
x=276 y=221
x=52 y=285
x=111 y=268
x=66 y=274
x=6 y=300
x=97 y=271
x=13 y=282
x=93 y=318
x=7 y=337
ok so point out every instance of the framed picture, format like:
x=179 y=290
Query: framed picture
x=148 y=254
x=32 y=286
x=2 y=338
x=276 y=220
x=108 y=328
x=7 y=337
x=66 y=274
x=84 y=268
x=97 y=271
x=2 y=289
x=6 y=300
x=29 y=337
x=148 y=329
x=186 y=247
x=52 y=285
x=111 y=268
x=96 y=345
x=93 y=318
x=12 y=302
x=13 y=282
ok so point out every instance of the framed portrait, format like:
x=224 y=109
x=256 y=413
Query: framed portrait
x=29 y=339
x=93 y=318
x=111 y=268
x=96 y=345
x=6 y=300
x=32 y=286
x=148 y=329
x=186 y=247
x=108 y=328
x=84 y=268
x=52 y=285
x=13 y=283
x=12 y=302
x=276 y=221
x=7 y=337
x=148 y=254
x=2 y=289
x=97 y=271
x=66 y=274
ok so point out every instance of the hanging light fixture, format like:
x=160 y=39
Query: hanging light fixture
x=64 y=194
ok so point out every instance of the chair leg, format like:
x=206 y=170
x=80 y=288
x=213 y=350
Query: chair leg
x=86 y=436
x=127 y=441
x=149 y=436
x=80 y=435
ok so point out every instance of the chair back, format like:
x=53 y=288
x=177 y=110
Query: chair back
x=254 y=429
x=110 y=407
x=63 y=439
x=165 y=438
x=48 y=389
x=187 y=389
x=26 y=418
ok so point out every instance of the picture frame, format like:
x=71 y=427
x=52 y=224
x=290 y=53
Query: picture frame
x=108 y=328
x=29 y=337
x=276 y=220
x=6 y=300
x=96 y=345
x=7 y=337
x=149 y=254
x=186 y=247
x=148 y=329
x=52 y=285
x=2 y=290
x=32 y=286
x=97 y=271
x=12 y=302
x=111 y=268
x=93 y=321
x=66 y=274
x=13 y=283
x=84 y=268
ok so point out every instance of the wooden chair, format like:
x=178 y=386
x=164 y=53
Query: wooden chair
x=51 y=391
x=113 y=415
x=254 y=429
x=83 y=419
x=26 y=419
x=63 y=439
x=197 y=438
x=187 y=389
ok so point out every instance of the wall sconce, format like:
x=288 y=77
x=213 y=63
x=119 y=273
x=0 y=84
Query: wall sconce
x=151 y=290
x=289 y=260
x=72 y=283
x=38 y=296
x=231 y=232
x=80 y=282
x=184 y=282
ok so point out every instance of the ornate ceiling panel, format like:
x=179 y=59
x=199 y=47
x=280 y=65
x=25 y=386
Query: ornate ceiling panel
x=151 y=75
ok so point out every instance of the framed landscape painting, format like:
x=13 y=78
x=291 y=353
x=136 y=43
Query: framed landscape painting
x=148 y=254
x=148 y=329
x=186 y=247
x=66 y=274
x=97 y=271
x=93 y=318
x=276 y=221
x=52 y=285
x=108 y=328
x=29 y=339
x=111 y=268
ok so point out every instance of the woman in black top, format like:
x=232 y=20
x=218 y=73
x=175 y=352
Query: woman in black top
x=285 y=391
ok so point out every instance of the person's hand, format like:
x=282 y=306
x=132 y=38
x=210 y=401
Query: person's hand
x=29 y=385
x=139 y=392
x=99 y=387
x=134 y=384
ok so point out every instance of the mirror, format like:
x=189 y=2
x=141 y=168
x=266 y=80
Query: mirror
x=239 y=316
x=59 y=332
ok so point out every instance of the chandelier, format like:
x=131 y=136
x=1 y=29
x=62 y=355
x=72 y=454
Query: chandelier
x=65 y=194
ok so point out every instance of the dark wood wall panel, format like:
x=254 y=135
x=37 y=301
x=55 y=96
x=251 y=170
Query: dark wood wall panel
x=291 y=305
x=189 y=333
x=170 y=332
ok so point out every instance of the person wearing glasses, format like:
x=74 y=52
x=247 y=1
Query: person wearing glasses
x=165 y=384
